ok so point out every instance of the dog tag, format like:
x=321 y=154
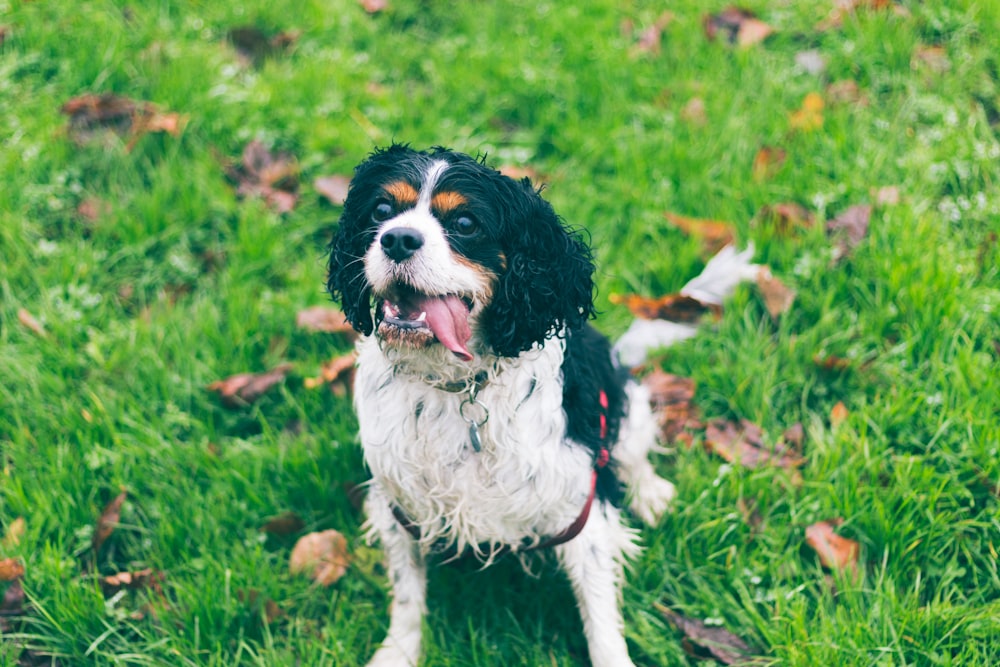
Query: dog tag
x=474 y=437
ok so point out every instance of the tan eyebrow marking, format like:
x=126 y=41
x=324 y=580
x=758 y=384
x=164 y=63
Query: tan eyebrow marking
x=403 y=192
x=445 y=202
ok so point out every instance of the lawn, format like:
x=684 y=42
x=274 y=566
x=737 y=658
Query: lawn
x=134 y=274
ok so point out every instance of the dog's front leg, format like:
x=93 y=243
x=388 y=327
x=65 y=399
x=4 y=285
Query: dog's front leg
x=408 y=576
x=593 y=561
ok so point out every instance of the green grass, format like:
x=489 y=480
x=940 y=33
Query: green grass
x=138 y=324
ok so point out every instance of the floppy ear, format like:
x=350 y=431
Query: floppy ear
x=548 y=282
x=346 y=280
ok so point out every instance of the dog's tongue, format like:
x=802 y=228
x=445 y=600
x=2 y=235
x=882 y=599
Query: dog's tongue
x=448 y=318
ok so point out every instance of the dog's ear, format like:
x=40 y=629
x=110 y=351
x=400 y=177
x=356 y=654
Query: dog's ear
x=346 y=271
x=548 y=281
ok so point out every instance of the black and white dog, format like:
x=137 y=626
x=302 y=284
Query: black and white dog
x=492 y=417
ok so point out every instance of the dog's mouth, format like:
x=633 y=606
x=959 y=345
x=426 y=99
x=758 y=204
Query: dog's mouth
x=412 y=317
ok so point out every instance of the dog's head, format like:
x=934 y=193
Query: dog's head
x=436 y=247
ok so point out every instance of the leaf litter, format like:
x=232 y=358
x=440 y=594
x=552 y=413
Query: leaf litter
x=243 y=389
x=95 y=116
x=720 y=644
x=835 y=552
x=270 y=175
x=321 y=556
x=736 y=25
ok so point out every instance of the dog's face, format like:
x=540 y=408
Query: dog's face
x=437 y=248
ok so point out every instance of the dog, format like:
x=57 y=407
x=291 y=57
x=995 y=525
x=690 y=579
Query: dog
x=492 y=416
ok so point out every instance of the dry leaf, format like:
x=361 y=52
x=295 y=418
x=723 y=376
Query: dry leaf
x=93 y=210
x=333 y=188
x=338 y=373
x=737 y=26
x=650 y=38
x=844 y=8
x=374 y=6
x=272 y=176
x=934 y=58
x=92 y=116
x=286 y=523
x=778 y=297
x=140 y=579
x=672 y=307
x=743 y=444
x=15 y=531
x=768 y=161
x=835 y=552
x=29 y=321
x=11 y=569
x=326 y=319
x=846 y=91
x=108 y=520
x=810 y=116
x=321 y=556
x=714 y=234
x=721 y=644
x=694 y=112
x=670 y=398
x=851 y=227
x=831 y=362
x=838 y=414
x=245 y=388
x=254 y=46
x=787 y=216
x=13 y=600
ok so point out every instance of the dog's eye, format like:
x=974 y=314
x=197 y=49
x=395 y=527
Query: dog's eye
x=382 y=211
x=466 y=226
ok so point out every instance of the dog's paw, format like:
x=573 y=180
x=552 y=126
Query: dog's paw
x=651 y=498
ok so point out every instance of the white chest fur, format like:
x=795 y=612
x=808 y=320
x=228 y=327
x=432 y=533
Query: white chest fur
x=527 y=482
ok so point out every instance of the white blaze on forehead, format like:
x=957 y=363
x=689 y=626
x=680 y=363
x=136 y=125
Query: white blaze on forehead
x=431 y=178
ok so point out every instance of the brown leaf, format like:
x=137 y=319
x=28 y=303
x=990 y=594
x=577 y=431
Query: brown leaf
x=835 y=552
x=723 y=645
x=838 y=414
x=768 y=161
x=15 y=531
x=778 y=297
x=133 y=581
x=650 y=38
x=934 y=58
x=108 y=520
x=694 y=113
x=255 y=46
x=673 y=307
x=333 y=188
x=326 y=319
x=809 y=116
x=743 y=444
x=286 y=523
x=245 y=388
x=737 y=26
x=831 y=362
x=787 y=216
x=337 y=370
x=846 y=91
x=670 y=398
x=850 y=227
x=714 y=234
x=844 y=8
x=93 y=210
x=11 y=569
x=374 y=6
x=29 y=321
x=91 y=115
x=271 y=176
x=321 y=556
x=794 y=435
x=13 y=600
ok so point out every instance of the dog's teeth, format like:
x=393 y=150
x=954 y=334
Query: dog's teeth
x=422 y=317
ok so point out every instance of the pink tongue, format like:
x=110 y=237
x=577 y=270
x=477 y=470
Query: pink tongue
x=448 y=318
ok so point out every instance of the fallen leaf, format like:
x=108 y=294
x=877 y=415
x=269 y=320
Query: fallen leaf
x=838 y=414
x=714 y=234
x=835 y=552
x=93 y=210
x=737 y=26
x=286 y=523
x=15 y=531
x=831 y=362
x=13 y=600
x=794 y=435
x=850 y=228
x=374 y=6
x=245 y=388
x=934 y=58
x=11 y=569
x=269 y=609
x=844 y=8
x=333 y=188
x=768 y=161
x=778 y=297
x=338 y=373
x=812 y=61
x=326 y=319
x=672 y=307
x=92 y=116
x=846 y=91
x=787 y=217
x=108 y=520
x=273 y=176
x=133 y=581
x=670 y=398
x=743 y=444
x=650 y=38
x=255 y=46
x=723 y=645
x=693 y=112
x=810 y=116
x=29 y=321
x=321 y=556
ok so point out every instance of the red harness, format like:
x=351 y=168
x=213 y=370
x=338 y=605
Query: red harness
x=603 y=457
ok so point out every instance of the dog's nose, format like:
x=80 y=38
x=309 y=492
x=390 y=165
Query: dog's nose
x=400 y=243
